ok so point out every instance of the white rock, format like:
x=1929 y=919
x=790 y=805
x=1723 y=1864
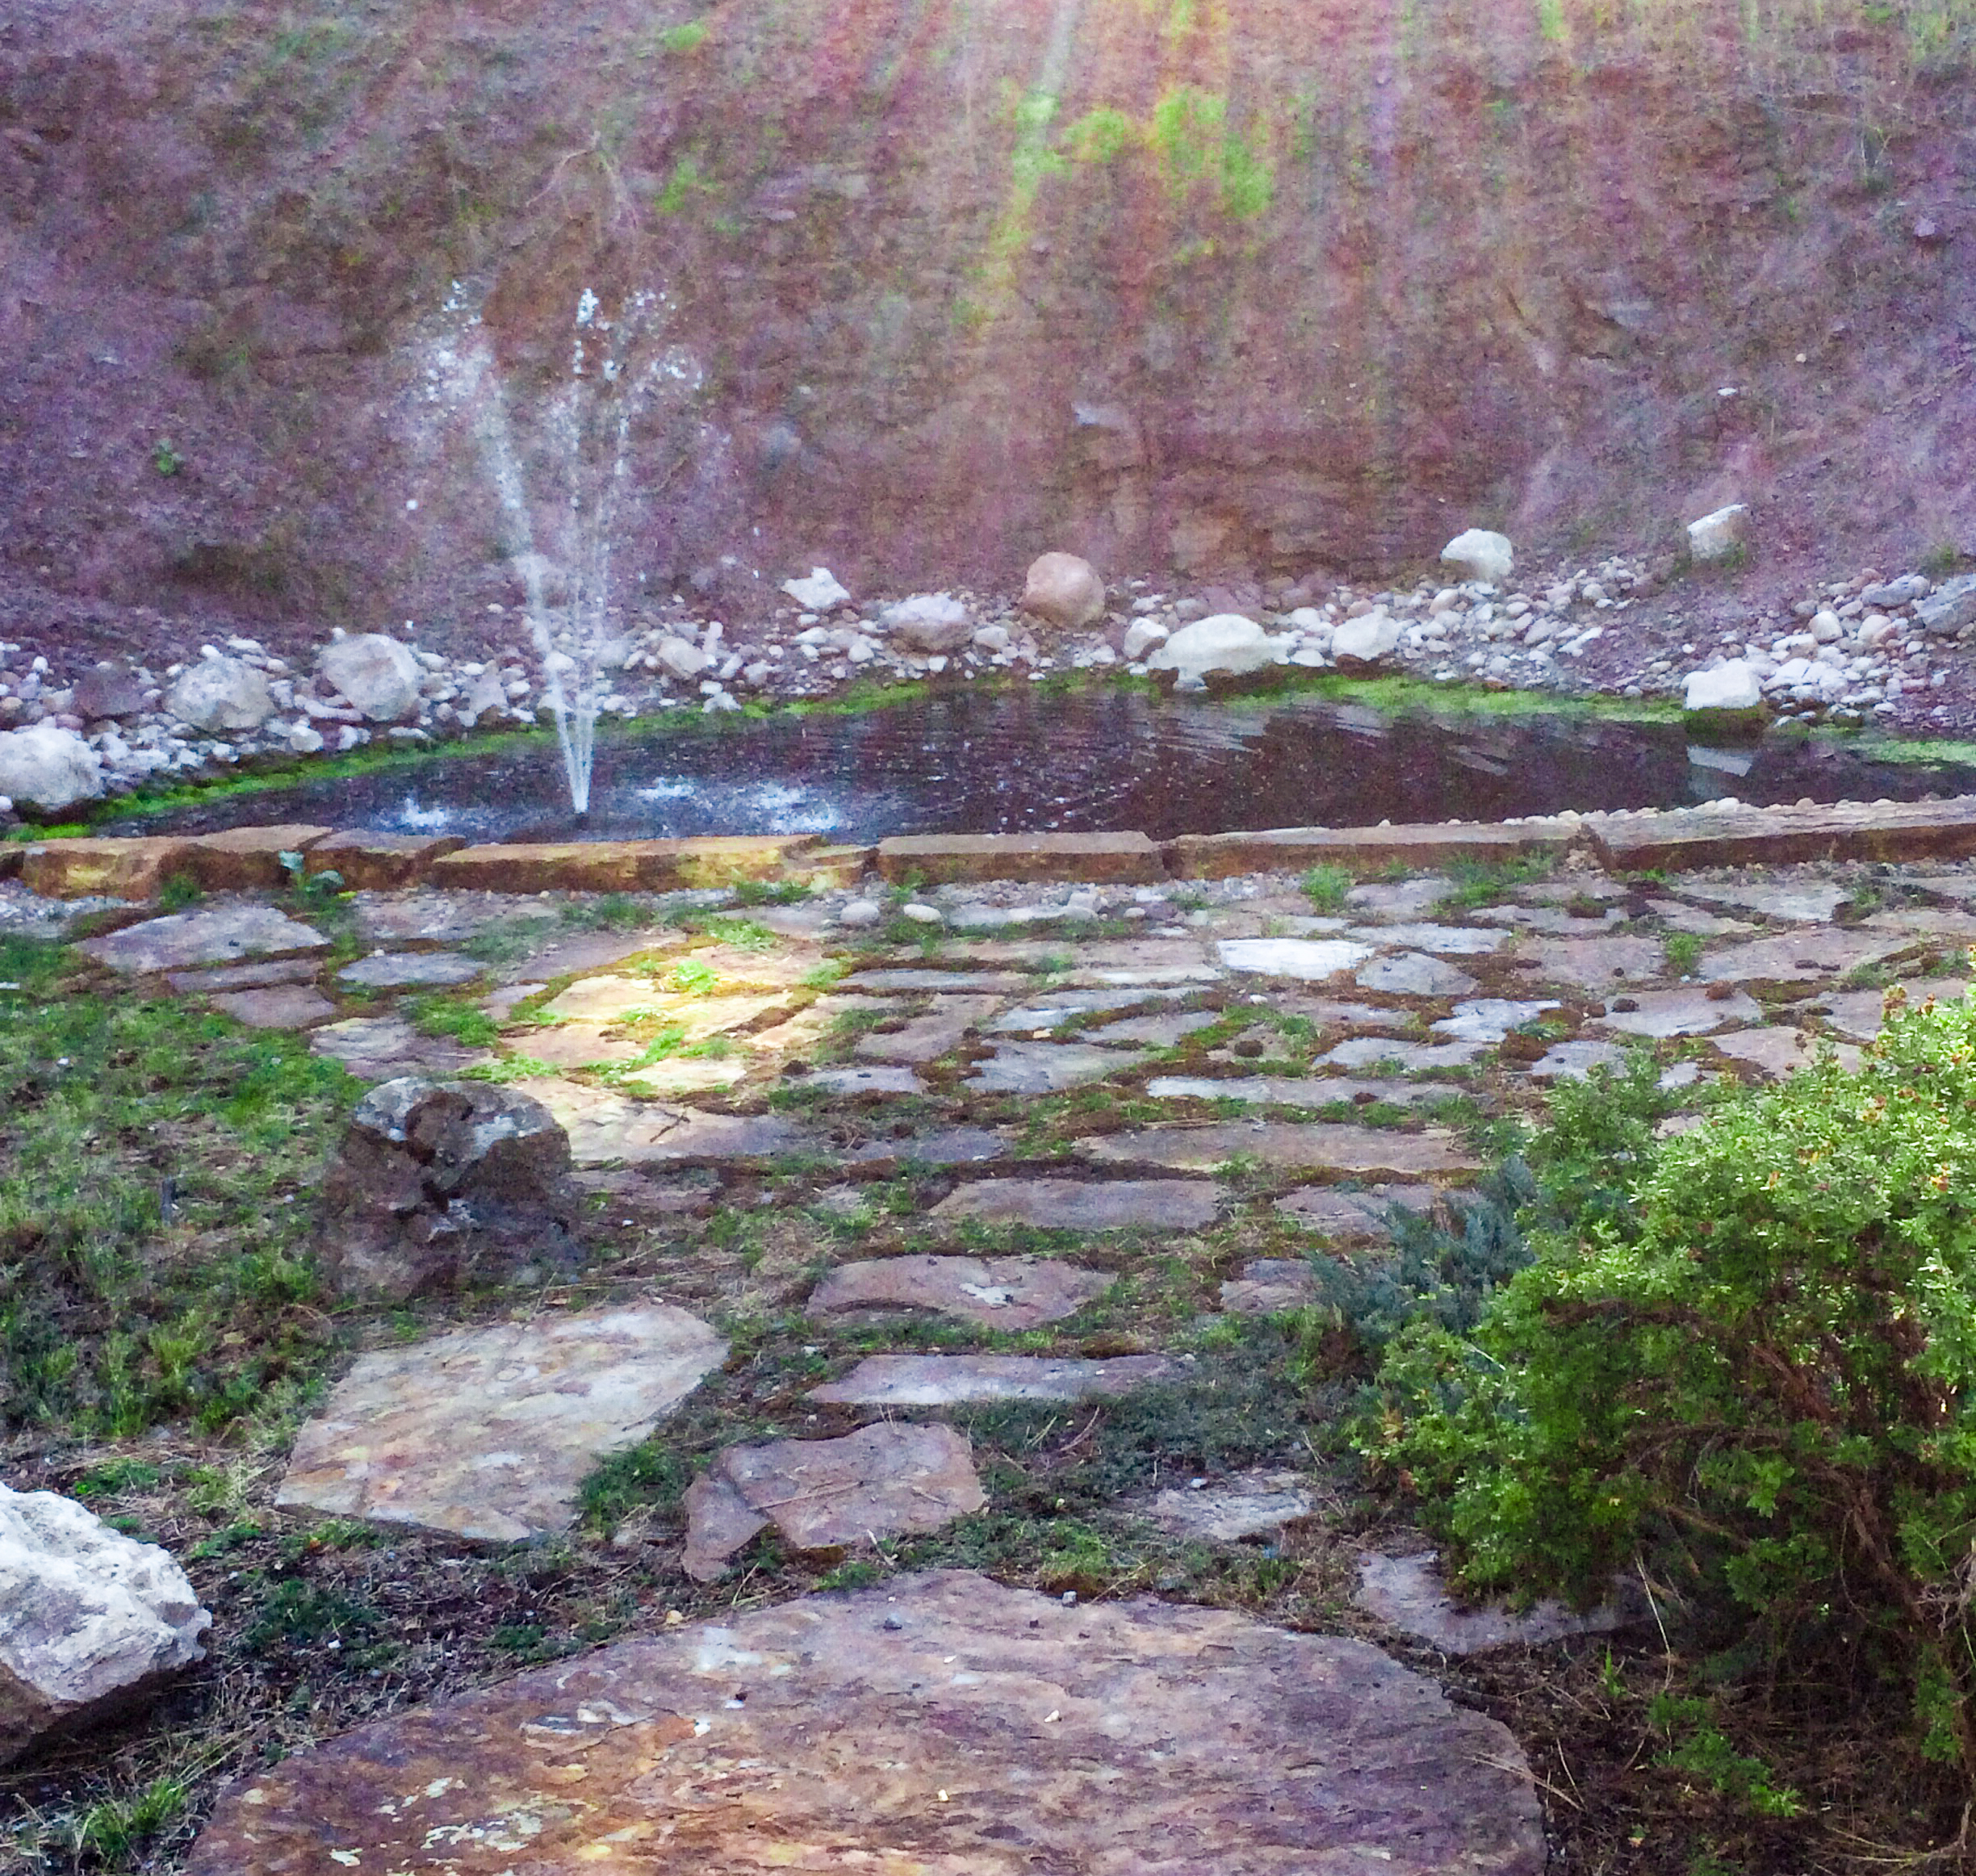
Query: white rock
x=819 y=593
x=1063 y=591
x=995 y=639
x=860 y=914
x=1732 y=686
x=305 y=739
x=922 y=914
x=220 y=693
x=929 y=622
x=88 y=1617
x=379 y=676
x=1222 y=642
x=684 y=659
x=1141 y=636
x=1481 y=554
x=1444 y=600
x=1367 y=639
x=1825 y=626
x=48 y=768
x=1715 y=537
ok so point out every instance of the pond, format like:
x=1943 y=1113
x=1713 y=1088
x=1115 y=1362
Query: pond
x=1088 y=760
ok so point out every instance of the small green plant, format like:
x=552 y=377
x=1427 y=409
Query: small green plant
x=180 y=892
x=689 y=977
x=311 y=888
x=1697 y=1746
x=688 y=36
x=1942 y=560
x=116 y=1829
x=113 y=1476
x=453 y=1019
x=1683 y=952
x=165 y=458
x=1326 y=888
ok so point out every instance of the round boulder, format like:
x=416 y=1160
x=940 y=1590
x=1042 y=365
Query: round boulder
x=1479 y=553
x=378 y=676
x=1223 y=643
x=1064 y=591
x=220 y=693
x=48 y=768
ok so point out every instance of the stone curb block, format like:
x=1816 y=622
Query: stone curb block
x=608 y=866
x=1939 y=830
x=1291 y=849
x=249 y=859
x=1090 y=859
x=10 y=857
x=105 y=869
x=380 y=862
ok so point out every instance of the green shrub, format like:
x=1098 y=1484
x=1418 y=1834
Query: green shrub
x=1750 y=1358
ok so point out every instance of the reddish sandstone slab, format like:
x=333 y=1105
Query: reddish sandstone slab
x=618 y=866
x=1938 y=829
x=380 y=862
x=104 y=868
x=940 y=859
x=1292 y=849
x=936 y=1724
x=249 y=859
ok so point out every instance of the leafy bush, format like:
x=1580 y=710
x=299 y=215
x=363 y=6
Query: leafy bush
x=1751 y=1359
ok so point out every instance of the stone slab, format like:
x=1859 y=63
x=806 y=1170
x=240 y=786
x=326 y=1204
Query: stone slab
x=1275 y=1090
x=941 y=1725
x=1490 y=1019
x=183 y=939
x=1363 y=1051
x=1678 y=917
x=1685 y=1012
x=1085 y=1204
x=1443 y=941
x=243 y=977
x=1164 y=1031
x=430 y=918
x=392 y=970
x=134 y=869
x=938 y=1146
x=605 y=1127
x=1408 y=1593
x=1308 y=959
x=1780 y=1051
x=279 y=1007
x=1574 y=1060
x=1059 y=1006
x=1596 y=964
x=1269 y=1286
x=1802 y=902
x=1312 y=1145
x=1041 y=1068
x=1248 y=1505
x=380 y=1048
x=938 y=1031
x=996 y=982
x=1293 y=849
x=953 y=1380
x=1799 y=957
x=823 y=1494
x=619 y=866
x=1861 y=1013
x=1688 y=840
x=249 y=859
x=1413 y=973
x=846 y=1083
x=1400 y=898
x=943 y=859
x=1353 y=1217
x=488 y=1433
x=689 y=1075
x=379 y=862
x=1000 y=1292
x=1955 y=926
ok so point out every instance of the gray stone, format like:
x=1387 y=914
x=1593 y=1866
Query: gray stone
x=941 y=1146
x=826 y=1494
x=1778 y=1052
x=932 y=622
x=1154 y=1032
x=397 y=969
x=1412 y=973
x=49 y=767
x=1315 y=1144
x=1309 y=960
x=1265 y=1091
x=604 y=1127
x=1353 y=1217
x=378 y=676
x=1269 y=1286
x=1060 y=1006
x=999 y=982
x=928 y=1037
x=441 y=1184
x=380 y=1048
x=281 y=1006
x=1861 y=1013
x=1573 y=1061
x=1040 y=1068
x=183 y=940
x=427 y=917
x=1226 y=643
x=1408 y=1593
x=1443 y=941
x=1405 y=898
x=1480 y=554
x=489 y=1433
x=1490 y=1019
x=219 y=695
x=1246 y=1506
x=1558 y=921
x=1594 y=964
x=1804 y=902
x=1116 y=1736
x=848 y=1082
x=1001 y=1293
x=1363 y=1051
x=953 y=1380
x=1678 y=1012
x=244 y=977
x=1677 y=917
x=1799 y=957
x=1950 y=607
x=109 y=690
x=1085 y=1204
x=1957 y=925
x=90 y=1620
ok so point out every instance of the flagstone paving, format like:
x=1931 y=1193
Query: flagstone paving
x=950 y=1380
x=1086 y=1204
x=1002 y=1292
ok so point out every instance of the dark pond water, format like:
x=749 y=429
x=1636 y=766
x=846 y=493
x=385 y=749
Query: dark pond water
x=1089 y=760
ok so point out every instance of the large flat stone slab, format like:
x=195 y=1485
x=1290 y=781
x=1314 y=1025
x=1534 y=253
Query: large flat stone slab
x=280 y=1006
x=1042 y=1068
x=995 y=983
x=1799 y=957
x=1491 y=1019
x=1363 y=1051
x=1598 y=965
x=380 y=1048
x=1408 y=1593
x=1574 y=1060
x=941 y=1725
x=1861 y=1013
x=1691 y=839
x=1413 y=973
x=1058 y=1006
x=618 y=866
x=1801 y=902
x=943 y=859
x=1154 y=1032
x=1441 y=940
x=952 y=1380
x=106 y=867
x=937 y=1146
x=224 y=935
x=1085 y=1204
x=249 y=859
x=1002 y=1292
x=1308 y=959
x=1285 y=1090
x=488 y=1433
x=397 y=970
x=1685 y=1012
x=369 y=862
x=865 y=1078
x=1312 y=1144
x=1269 y=1286
x=1247 y=1506
x=926 y=1037
x=1353 y=1217
x=1293 y=849
x=829 y=1493
x=605 y=1127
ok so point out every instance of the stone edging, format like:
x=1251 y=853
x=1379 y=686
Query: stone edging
x=1721 y=834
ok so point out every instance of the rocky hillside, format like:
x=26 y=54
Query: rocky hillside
x=1196 y=289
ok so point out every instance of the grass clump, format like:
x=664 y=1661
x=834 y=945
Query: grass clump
x=1325 y=887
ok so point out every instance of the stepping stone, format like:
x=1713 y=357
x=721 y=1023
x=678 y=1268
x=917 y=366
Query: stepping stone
x=1138 y=1735
x=1594 y=964
x=281 y=1006
x=1562 y=890
x=989 y=982
x=244 y=977
x=1332 y=1014
x=1957 y=887
x=391 y=970
x=688 y=1075
x=1408 y=1593
x=823 y=1494
x=810 y=1025
x=1808 y=903
x=183 y=940
x=1558 y=921
x=1927 y=922
x=380 y=1048
x=1678 y=1012
x=1405 y=899
x=927 y=1038
x=1443 y=941
x=1861 y=1014
x=954 y=1380
x=611 y=999
x=1001 y=1293
x=1316 y=1144
x=501 y=1004
x=1042 y=1068
x=1269 y=1286
x=1680 y=917
x=1245 y=1505
x=604 y=1127
x=1490 y=1019
x=1363 y=1051
x=1264 y=1090
x=847 y=1082
x=488 y=1433
x=1060 y=1006
x=578 y=953
x=1573 y=1061
x=430 y=918
x=1309 y=960
x=577 y=1045
x=943 y=1146
x=1780 y=1051
x=1413 y=973
x=1155 y=1032
x=1351 y=1217
x=1085 y=1204
x=1799 y=957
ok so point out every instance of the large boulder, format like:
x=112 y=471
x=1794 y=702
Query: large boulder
x=1365 y=639
x=220 y=695
x=1716 y=537
x=1064 y=591
x=1224 y=643
x=48 y=768
x=1730 y=686
x=821 y=592
x=90 y=1620
x=1479 y=553
x=378 y=676
x=1950 y=607
x=932 y=622
x=441 y=1184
